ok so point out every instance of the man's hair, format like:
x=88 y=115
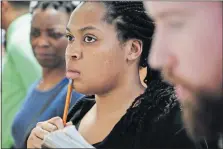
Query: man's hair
x=20 y=4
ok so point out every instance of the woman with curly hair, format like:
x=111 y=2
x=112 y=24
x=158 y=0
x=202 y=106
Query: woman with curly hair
x=45 y=97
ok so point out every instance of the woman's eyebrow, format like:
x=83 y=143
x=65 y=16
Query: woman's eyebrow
x=83 y=28
x=67 y=29
x=87 y=28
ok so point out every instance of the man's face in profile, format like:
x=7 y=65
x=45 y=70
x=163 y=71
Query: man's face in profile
x=187 y=48
x=1 y=14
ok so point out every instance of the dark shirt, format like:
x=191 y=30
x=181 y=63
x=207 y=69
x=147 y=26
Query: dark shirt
x=152 y=121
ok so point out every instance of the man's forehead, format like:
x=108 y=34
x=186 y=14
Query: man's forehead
x=160 y=8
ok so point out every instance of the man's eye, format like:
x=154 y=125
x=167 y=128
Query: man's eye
x=176 y=24
x=89 y=39
x=70 y=38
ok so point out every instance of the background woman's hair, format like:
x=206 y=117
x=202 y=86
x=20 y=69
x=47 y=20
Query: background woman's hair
x=20 y=4
x=132 y=22
x=66 y=6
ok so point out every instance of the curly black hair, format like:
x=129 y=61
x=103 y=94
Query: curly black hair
x=67 y=6
x=132 y=22
x=20 y=4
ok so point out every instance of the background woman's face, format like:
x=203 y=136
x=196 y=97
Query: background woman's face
x=94 y=57
x=48 y=37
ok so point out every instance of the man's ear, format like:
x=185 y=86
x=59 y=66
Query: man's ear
x=5 y=6
x=134 y=49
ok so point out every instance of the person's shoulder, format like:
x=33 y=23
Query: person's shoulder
x=164 y=115
x=77 y=96
x=157 y=102
x=162 y=106
x=84 y=104
x=85 y=101
x=159 y=112
x=33 y=86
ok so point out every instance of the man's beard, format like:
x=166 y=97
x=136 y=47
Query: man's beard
x=203 y=119
x=203 y=115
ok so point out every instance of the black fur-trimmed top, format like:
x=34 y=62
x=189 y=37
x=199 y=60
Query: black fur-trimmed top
x=152 y=121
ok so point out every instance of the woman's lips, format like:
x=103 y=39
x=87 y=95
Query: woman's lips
x=72 y=74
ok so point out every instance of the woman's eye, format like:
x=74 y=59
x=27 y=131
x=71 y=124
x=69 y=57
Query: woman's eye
x=89 y=39
x=70 y=38
x=55 y=35
x=35 y=33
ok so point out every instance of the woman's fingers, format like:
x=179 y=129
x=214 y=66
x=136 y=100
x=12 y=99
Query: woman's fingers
x=69 y=124
x=57 y=121
x=51 y=125
x=47 y=126
x=36 y=136
x=40 y=133
x=42 y=129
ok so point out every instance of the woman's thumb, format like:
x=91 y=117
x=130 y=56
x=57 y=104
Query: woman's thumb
x=69 y=123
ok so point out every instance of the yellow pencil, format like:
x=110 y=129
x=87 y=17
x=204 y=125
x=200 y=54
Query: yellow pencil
x=67 y=103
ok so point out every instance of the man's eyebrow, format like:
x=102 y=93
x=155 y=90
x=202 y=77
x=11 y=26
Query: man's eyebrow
x=50 y=29
x=168 y=13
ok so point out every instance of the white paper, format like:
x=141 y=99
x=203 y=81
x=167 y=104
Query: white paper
x=68 y=137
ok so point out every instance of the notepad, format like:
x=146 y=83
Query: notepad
x=68 y=137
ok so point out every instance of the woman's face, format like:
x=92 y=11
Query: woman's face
x=95 y=59
x=48 y=37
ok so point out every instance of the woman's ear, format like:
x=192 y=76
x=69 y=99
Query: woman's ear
x=134 y=50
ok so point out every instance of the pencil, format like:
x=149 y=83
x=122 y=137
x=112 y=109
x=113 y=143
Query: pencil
x=67 y=103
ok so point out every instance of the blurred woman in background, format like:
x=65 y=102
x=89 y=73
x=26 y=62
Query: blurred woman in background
x=46 y=97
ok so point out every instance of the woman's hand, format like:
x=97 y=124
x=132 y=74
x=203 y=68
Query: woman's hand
x=36 y=136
